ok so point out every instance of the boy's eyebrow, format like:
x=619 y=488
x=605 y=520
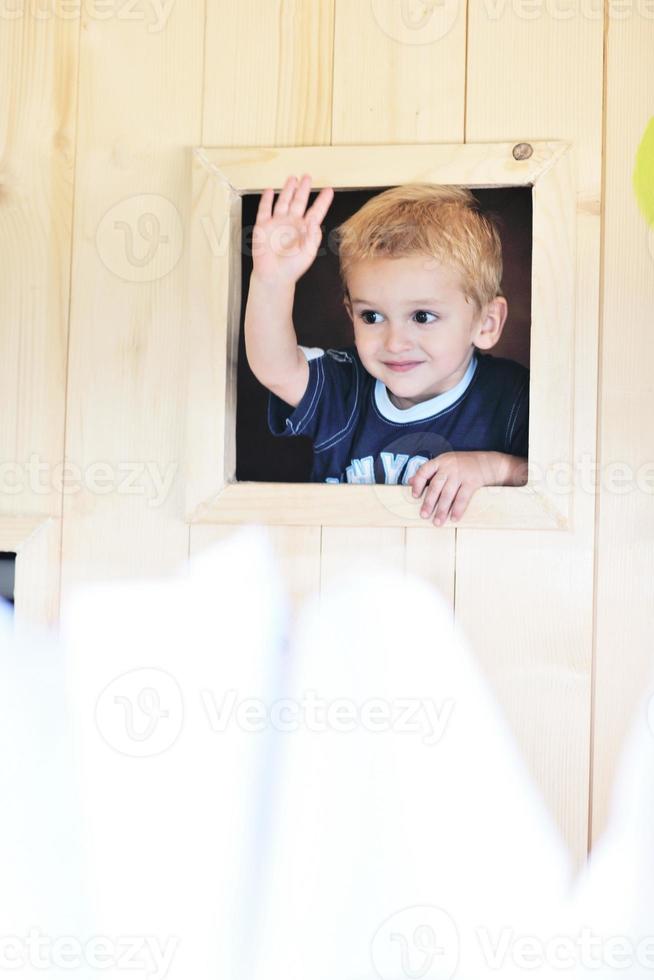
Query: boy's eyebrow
x=409 y=302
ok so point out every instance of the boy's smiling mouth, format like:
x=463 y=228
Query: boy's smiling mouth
x=402 y=365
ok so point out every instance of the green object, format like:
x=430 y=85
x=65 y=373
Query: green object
x=643 y=177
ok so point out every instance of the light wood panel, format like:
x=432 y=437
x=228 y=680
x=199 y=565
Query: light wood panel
x=268 y=74
x=38 y=99
x=525 y=598
x=394 y=84
x=139 y=112
x=399 y=72
x=268 y=82
x=625 y=566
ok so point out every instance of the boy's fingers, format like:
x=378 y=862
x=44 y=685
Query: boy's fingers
x=264 y=211
x=299 y=201
x=432 y=496
x=420 y=477
x=461 y=501
x=320 y=206
x=285 y=195
x=444 y=503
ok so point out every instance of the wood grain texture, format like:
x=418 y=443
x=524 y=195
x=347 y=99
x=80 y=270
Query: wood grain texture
x=389 y=91
x=140 y=110
x=526 y=599
x=267 y=82
x=625 y=541
x=38 y=99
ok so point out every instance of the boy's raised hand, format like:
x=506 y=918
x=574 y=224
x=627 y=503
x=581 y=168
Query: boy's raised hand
x=285 y=240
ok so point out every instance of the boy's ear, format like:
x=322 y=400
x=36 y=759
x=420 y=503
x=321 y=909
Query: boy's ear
x=491 y=323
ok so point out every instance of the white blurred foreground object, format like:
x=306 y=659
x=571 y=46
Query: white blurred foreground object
x=43 y=906
x=349 y=804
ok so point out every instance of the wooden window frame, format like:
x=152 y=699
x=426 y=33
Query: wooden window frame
x=221 y=176
x=34 y=539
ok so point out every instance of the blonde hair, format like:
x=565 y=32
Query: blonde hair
x=440 y=220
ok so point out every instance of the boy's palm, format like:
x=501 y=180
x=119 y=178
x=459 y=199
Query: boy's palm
x=285 y=241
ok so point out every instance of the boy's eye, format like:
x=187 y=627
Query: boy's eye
x=423 y=313
x=419 y=313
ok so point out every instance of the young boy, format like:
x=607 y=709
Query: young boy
x=421 y=268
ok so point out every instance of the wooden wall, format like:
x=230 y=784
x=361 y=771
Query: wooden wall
x=101 y=111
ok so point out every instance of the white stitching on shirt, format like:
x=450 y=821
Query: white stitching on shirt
x=334 y=440
x=311 y=407
x=513 y=417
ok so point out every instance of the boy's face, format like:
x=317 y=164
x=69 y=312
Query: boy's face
x=413 y=328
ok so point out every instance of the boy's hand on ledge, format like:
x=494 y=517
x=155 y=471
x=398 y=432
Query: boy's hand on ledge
x=452 y=478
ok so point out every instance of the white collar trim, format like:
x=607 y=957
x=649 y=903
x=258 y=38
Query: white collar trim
x=423 y=410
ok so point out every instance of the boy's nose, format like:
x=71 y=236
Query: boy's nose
x=397 y=339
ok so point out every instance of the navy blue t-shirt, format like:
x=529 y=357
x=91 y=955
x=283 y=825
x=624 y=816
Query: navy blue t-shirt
x=359 y=436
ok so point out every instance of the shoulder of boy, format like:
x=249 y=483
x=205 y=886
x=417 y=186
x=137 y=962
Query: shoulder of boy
x=505 y=364
x=335 y=353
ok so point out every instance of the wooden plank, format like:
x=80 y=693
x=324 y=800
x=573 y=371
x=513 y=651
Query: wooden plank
x=525 y=598
x=286 y=100
x=387 y=106
x=37 y=105
x=140 y=111
x=359 y=550
x=409 y=71
x=625 y=554
x=268 y=75
x=368 y=504
x=490 y=163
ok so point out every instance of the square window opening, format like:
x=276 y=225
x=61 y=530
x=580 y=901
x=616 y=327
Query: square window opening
x=320 y=319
